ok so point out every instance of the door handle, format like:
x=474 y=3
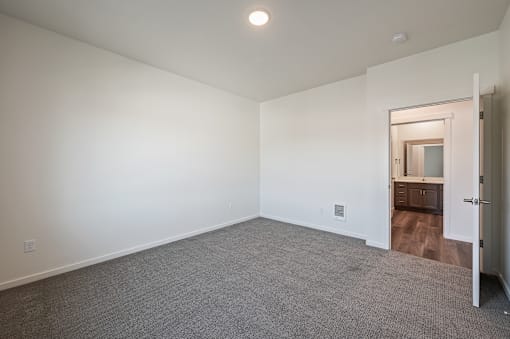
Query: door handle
x=472 y=201
x=485 y=202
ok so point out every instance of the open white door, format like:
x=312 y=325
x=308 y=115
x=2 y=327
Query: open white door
x=476 y=190
x=475 y=199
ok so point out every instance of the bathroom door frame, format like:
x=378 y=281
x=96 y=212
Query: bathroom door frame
x=447 y=117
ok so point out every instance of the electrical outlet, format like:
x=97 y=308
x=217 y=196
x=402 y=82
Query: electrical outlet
x=29 y=246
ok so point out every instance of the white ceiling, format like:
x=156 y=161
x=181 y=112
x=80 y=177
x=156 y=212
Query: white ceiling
x=307 y=43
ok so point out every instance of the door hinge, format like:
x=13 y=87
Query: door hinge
x=481 y=179
x=481 y=115
x=481 y=243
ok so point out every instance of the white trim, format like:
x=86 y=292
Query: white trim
x=504 y=283
x=88 y=262
x=447 y=176
x=422 y=118
x=314 y=226
x=389 y=191
x=432 y=104
x=458 y=237
x=489 y=90
x=376 y=244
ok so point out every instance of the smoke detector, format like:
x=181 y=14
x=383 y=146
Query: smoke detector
x=399 y=38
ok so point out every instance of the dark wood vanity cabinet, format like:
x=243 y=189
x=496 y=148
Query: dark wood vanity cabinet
x=419 y=197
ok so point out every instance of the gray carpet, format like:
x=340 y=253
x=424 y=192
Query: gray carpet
x=258 y=279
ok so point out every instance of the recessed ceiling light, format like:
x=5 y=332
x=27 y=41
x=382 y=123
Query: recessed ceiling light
x=259 y=17
x=399 y=38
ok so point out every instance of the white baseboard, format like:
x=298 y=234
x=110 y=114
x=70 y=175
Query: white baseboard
x=504 y=283
x=88 y=262
x=376 y=244
x=316 y=227
x=458 y=237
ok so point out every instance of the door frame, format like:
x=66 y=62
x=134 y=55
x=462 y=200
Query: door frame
x=447 y=117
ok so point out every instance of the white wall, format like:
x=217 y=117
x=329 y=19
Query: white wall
x=314 y=153
x=438 y=75
x=99 y=153
x=322 y=145
x=505 y=91
x=459 y=226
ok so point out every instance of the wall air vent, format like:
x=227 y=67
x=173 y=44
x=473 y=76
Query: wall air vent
x=340 y=212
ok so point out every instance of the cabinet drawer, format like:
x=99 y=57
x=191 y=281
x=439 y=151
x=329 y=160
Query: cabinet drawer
x=400 y=186
x=401 y=193
x=400 y=201
x=424 y=186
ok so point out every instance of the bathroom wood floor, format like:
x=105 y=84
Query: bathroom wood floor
x=421 y=234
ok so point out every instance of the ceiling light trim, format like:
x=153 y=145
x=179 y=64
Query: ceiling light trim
x=259 y=17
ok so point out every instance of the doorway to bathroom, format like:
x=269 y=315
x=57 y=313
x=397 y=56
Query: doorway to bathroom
x=471 y=184
x=431 y=171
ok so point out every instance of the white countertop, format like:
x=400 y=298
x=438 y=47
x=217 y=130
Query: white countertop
x=415 y=180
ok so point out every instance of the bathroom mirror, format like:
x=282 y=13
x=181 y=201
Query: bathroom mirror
x=424 y=158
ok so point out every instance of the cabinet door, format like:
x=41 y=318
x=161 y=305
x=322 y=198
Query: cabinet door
x=415 y=198
x=431 y=199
